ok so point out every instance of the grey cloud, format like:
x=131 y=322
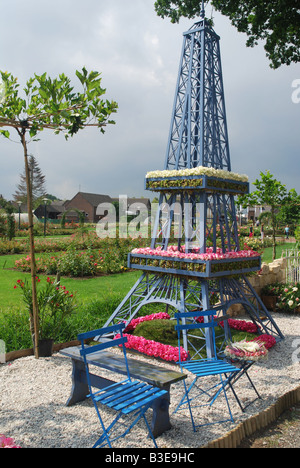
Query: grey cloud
x=138 y=55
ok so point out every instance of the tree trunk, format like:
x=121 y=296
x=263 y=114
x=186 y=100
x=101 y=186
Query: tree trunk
x=274 y=233
x=35 y=310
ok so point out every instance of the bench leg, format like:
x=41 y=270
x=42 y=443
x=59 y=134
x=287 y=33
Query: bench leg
x=80 y=388
x=161 y=417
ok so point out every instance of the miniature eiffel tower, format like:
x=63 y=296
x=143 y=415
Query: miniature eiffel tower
x=196 y=205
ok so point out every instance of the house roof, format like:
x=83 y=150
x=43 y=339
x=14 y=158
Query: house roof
x=55 y=208
x=130 y=201
x=93 y=198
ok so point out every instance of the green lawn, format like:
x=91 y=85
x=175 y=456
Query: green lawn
x=87 y=290
x=96 y=298
x=268 y=251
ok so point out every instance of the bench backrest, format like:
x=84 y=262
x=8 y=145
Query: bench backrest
x=100 y=346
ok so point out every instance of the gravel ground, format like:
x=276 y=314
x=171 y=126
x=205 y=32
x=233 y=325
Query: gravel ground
x=33 y=394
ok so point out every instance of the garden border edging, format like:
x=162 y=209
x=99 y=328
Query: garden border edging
x=257 y=422
x=13 y=355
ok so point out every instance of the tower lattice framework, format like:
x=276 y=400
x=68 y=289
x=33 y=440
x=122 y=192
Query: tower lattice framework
x=195 y=254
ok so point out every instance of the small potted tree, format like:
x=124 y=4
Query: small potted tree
x=55 y=304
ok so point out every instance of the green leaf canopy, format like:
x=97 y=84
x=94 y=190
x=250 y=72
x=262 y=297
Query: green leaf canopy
x=53 y=104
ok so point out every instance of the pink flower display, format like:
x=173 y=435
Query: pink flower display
x=173 y=252
x=7 y=442
x=154 y=349
x=242 y=325
x=268 y=340
x=135 y=322
x=150 y=347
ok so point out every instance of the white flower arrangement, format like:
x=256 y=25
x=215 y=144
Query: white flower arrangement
x=198 y=171
x=246 y=350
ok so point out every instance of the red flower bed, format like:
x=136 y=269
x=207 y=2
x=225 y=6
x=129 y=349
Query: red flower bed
x=154 y=349
x=242 y=325
x=171 y=353
x=268 y=340
x=135 y=322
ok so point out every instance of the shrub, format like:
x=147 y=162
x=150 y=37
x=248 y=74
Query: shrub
x=15 y=332
x=82 y=258
x=14 y=329
x=162 y=331
x=289 y=299
x=55 y=303
x=273 y=289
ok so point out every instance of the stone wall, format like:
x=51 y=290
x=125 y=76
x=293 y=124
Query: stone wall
x=270 y=273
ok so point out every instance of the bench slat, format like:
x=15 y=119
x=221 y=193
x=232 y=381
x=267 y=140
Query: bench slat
x=145 y=371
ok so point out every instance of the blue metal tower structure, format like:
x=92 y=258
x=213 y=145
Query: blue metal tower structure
x=196 y=204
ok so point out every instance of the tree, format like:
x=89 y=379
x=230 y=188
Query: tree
x=8 y=222
x=276 y=22
x=37 y=181
x=269 y=192
x=49 y=104
x=290 y=212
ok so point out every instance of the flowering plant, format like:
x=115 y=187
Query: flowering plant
x=259 y=346
x=268 y=340
x=242 y=325
x=273 y=289
x=289 y=298
x=7 y=442
x=150 y=347
x=55 y=303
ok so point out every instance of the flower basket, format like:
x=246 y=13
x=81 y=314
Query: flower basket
x=208 y=264
x=246 y=350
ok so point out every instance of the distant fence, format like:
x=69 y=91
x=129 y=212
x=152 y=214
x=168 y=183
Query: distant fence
x=293 y=265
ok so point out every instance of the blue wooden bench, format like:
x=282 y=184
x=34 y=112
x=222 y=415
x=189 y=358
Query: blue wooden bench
x=147 y=372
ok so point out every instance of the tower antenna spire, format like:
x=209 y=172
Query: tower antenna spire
x=202 y=13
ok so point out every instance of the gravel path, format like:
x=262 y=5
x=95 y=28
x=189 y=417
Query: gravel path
x=33 y=394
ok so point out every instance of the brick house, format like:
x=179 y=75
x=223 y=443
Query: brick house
x=87 y=203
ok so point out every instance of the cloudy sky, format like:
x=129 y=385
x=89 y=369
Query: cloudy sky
x=138 y=55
